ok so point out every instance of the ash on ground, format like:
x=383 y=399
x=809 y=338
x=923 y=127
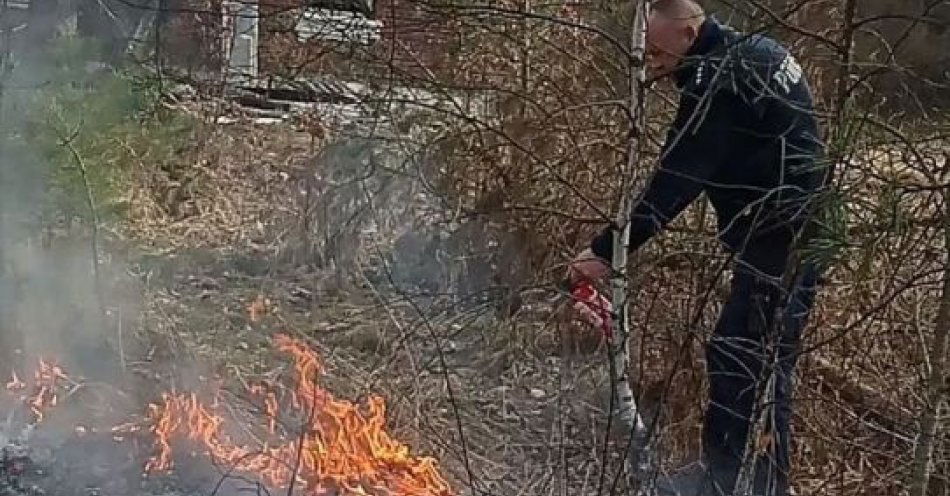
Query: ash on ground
x=92 y=463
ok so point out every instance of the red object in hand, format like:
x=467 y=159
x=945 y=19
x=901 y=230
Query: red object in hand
x=593 y=306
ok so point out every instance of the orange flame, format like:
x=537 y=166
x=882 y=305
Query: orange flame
x=338 y=447
x=48 y=380
x=271 y=408
x=15 y=383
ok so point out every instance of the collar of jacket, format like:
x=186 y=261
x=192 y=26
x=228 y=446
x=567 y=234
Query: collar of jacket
x=710 y=36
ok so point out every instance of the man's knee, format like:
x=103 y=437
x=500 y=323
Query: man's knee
x=743 y=324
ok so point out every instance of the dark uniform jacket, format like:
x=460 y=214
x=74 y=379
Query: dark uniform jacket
x=745 y=133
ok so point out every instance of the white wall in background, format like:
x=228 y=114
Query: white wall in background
x=241 y=22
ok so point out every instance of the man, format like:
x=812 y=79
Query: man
x=745 y=135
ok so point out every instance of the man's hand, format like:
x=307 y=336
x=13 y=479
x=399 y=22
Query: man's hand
x=587 y=266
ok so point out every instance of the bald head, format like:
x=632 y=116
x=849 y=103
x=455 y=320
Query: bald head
x=672 y=28
x=677 y=9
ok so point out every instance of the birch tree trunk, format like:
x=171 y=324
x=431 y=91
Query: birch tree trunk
x=638 y=459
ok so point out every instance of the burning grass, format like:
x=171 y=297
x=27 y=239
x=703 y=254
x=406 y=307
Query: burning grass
x=337 y=449
x=50 y=383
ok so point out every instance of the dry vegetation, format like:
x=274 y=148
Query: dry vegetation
x=429 y=278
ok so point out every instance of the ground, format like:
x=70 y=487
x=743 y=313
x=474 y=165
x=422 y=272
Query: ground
x=198 y=289
x=251 y=228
